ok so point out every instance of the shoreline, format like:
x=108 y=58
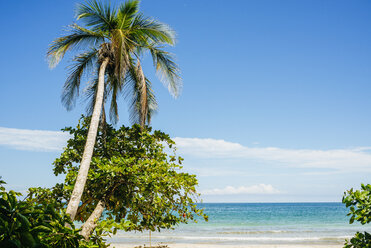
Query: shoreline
x=259 y=225
x=120 y=245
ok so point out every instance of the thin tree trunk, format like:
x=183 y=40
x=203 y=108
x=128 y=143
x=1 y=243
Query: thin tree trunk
x=91 y=222
x=78 y=189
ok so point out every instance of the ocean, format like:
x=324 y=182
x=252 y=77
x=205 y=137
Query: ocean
x=257 y=223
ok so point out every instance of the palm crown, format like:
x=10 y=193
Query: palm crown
x=122 y=36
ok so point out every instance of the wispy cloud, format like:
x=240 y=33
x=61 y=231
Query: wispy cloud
x=254 y=189
x=352 y=159
x=33 y=140
x=358 y=159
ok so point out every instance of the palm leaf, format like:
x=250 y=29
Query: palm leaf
x=126 y=14
x=142 y=93
x=79 y=37
x=120 y=53
x=139 y=94
x=83 y=63
x=167 y=70
x=145 y=28
x=96 y=15
x=151 y=101
x=90 y=94
x=114 y=88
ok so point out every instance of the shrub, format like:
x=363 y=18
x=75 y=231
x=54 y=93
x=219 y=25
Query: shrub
x=359 y=204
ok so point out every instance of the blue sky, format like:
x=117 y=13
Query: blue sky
x=275 y=104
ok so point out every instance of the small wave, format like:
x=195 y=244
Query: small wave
x=337 y=238
x=239 y=238
x=254 y=232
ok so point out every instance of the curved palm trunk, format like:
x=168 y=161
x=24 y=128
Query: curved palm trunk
x=78 y=189
x=91 y=222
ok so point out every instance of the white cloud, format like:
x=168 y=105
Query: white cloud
x=254 y=189
x=354 y=159
x=358 y=159
x=33 y=140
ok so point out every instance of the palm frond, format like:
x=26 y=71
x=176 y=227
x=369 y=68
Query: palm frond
x=151 y=101
x=144 y=28
x=142 y=92
x=130 y=94
x=83 y=63
x=90 y=95
x=120 y=53
x=96 y=15
x=139 y=94
x=114 y=86
x=112 y=89
x=167 y=70
x=126 y=13
x=79 y=37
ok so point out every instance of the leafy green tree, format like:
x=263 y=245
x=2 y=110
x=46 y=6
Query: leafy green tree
x=359 y=204
x=132 y=179
x=113 y=41
x=27 y=224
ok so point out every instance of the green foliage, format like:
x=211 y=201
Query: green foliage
x=27 y=224
x=141 y=186
x=359 y=204
x=360 y=240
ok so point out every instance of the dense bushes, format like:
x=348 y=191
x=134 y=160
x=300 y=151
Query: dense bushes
x=359 y=204
x=27 y=224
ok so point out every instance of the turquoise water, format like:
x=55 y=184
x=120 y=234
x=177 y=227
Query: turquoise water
x=259 y=223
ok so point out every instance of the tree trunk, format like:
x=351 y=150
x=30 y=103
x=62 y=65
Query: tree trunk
x=91 y=222
x=78 y=189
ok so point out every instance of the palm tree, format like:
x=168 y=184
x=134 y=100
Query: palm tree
x=113 y=41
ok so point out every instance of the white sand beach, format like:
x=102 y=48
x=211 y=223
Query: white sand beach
x=233 y=246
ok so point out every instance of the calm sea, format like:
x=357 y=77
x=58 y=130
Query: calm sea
x=258 y=223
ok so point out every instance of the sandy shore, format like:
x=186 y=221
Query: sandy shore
x=233 y=246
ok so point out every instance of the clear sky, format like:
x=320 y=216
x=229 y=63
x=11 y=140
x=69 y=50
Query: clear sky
x=275 y=105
